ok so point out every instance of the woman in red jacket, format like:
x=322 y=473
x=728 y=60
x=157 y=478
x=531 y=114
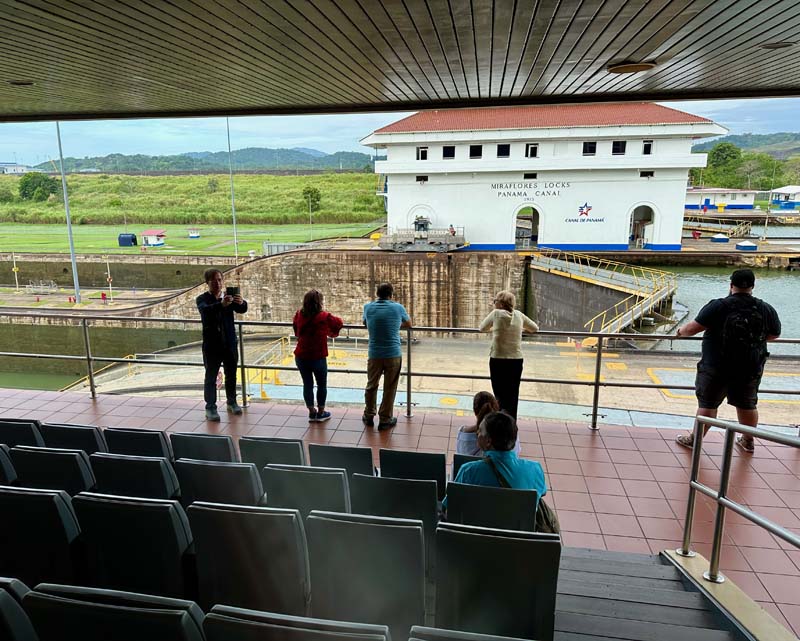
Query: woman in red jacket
x=312 y=326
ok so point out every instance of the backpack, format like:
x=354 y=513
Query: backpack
x=744 y=335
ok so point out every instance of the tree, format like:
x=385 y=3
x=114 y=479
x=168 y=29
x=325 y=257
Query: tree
x=6 y=196
x=751 y=169
x=724 y=155
x=312 y=197
x=32 y=182
x=212 y=185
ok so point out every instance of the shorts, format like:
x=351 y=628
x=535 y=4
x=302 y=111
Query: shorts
x=711 y=387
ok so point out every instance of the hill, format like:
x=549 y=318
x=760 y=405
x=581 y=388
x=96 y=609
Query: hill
x=779 y=145
x=251 y=158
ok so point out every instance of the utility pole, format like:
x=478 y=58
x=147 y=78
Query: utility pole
x=769 y=201
x=233 y=196
x=75 y=281
x=15 y=269
x=109 y=279
x=310 y=223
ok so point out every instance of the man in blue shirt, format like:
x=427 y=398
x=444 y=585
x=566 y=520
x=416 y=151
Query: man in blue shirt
x=383 y=318
x=497 y=435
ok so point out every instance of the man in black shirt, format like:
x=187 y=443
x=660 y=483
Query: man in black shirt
x=734 y=351
x=219 y=340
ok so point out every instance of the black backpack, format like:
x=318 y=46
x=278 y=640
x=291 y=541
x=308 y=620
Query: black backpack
x=744 y=334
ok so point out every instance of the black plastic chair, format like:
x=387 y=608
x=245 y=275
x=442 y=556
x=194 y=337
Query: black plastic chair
x=138 y=442
x=142 y=476
x=421 y=633
x=219 y=482
x=8 y=475
x=74 y=437
x=356 y=460
x=203 y=447
x=494 y=507
x=423 y=466
x=459 y=460
x=306 y=488
x=266 y=450
x=15 y=432
x=53 y=469
x=14 y=622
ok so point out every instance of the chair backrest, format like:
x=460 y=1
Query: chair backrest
x=138 y=442
x=499 y=582
x=368 y=569
x=203 y=447
x=8 y=475
x=218 y=482
x=53 y=469
x=14 y=587
x=134 y=544
x=74 y=437
x=225 y=623
x=38 y=535
x=142 y=476
x=497 y=507
x=422 y=466
x=17 y=431
x=356 y=460
x=266 y=450
x=421 y=633
x=67 y=613
x=233 y=540
x=306 y=488
x=14 y=622
x=459 y=460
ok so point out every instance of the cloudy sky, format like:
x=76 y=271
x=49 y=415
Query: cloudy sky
x=36 y=142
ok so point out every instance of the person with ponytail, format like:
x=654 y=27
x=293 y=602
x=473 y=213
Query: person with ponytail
x=312 y=327
x=467 y=440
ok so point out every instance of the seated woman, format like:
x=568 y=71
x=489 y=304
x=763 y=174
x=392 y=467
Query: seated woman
x=497 y=435
x=467 y=439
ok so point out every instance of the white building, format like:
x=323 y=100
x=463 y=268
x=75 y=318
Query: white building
x=785 y=197
x=602 y=177
x=14 y=168
x=719 y=199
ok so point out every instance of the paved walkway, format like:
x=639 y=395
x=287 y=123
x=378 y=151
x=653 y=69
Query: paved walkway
x=623 y=488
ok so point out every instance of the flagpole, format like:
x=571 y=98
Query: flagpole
x=69 y=219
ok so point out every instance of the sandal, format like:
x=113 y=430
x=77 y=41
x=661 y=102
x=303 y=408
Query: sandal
x=686 y=440
x=745 y=446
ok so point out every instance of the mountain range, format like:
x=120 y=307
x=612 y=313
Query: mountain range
x=779 y=145
x=250 y=158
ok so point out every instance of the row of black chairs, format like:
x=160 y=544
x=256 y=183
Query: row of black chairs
x=52 y=612
x=331 y=565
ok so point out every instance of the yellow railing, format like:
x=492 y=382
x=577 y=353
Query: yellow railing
x=275 y=353
x=85 y=379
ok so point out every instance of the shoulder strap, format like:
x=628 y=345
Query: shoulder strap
x=500 y=478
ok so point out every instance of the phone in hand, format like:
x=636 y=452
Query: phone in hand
x=231 y=291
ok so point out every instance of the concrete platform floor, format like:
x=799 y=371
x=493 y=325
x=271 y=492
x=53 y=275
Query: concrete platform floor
x=622 y=488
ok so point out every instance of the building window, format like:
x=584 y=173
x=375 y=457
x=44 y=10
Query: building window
x=647 y=147
x=504 y=150
x=618 y=147
x=476 y=151
x=448 y=152
x=422 y=179
x=733 y=196
x=529 y=176
x=589 y=148
x=422 y=153
x=532 y=150
x=646 y=174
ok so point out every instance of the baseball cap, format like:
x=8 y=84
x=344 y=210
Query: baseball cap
x=743 y=278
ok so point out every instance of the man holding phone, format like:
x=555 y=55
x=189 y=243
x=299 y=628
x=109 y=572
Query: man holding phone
x=219 y=339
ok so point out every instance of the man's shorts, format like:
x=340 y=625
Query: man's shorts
x=712 y=386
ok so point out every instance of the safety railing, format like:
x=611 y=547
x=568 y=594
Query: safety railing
x=721 y=495
x=599 y=342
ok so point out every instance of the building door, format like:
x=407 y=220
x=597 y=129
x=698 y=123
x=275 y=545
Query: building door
x=642 y=216
x=527 y=227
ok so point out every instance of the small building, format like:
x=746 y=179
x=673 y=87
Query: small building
x=127 y=240
x=585 y=177
x=785 y=197
x=153 y=237
x=14 y=168
x=719 y=199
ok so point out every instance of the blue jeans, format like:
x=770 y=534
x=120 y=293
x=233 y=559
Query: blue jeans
x=310 y=370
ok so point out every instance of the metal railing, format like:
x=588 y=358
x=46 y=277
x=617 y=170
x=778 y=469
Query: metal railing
x=721 y=495
x=598 y=340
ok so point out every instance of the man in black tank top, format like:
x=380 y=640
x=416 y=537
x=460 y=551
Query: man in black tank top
x=737 y=329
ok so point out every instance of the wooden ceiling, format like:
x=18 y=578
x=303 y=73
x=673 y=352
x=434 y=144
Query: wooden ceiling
x=134 y=58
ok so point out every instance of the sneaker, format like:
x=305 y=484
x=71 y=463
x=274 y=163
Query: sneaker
x=234 y=408
x=387 y=425
x=746 y=446
x=323 y=416
x=312 y=416
x=367 y=420
x=212 y=414
x=686 y=440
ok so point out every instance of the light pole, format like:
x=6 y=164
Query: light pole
x=233 y=197
x=15 y=269
x=74 y=262
x=310 y=224
x=109 y=280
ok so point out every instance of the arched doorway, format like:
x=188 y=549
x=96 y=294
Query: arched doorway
x=526 y=229
x=642 y=218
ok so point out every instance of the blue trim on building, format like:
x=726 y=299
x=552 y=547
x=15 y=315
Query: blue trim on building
x=663 y=248
x=488 y=247
x=739 y=206
x=713 y=208
x=785 y=204
x=585 y=247
x=688 y=206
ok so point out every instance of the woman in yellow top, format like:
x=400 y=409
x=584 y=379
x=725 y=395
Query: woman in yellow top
x=505 y=357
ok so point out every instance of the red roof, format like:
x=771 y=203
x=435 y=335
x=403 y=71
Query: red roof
x=154 y=232
x=542 y=116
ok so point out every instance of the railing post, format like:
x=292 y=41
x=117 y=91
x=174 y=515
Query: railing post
x=713 y=573
x=696 y=452
x=88 y=351
x=597 y=369
x=242 y=368
x=409 y=413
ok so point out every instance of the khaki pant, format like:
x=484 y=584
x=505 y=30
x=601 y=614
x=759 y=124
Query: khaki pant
x=389 y=368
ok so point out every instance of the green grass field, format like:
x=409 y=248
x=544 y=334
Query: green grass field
x=214 y=240
x=197 y=200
